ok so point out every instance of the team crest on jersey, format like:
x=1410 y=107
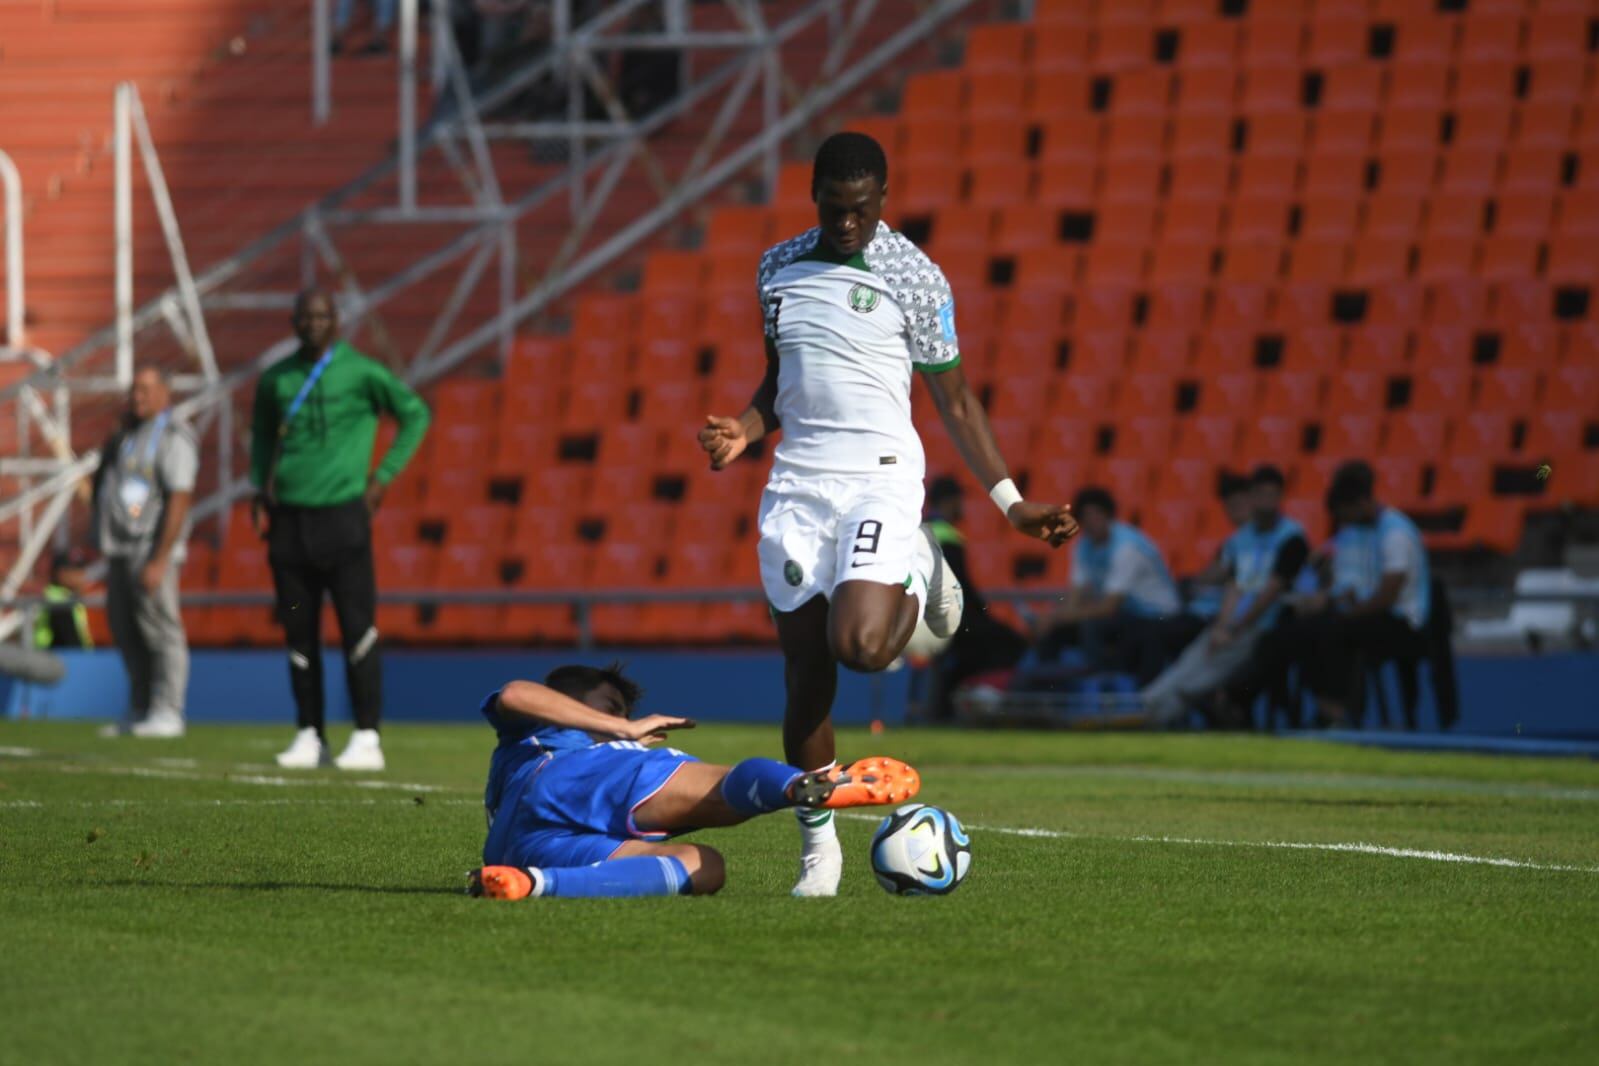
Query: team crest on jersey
x=863 y=298
x=792 y=573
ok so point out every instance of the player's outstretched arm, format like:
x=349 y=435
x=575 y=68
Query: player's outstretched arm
x=967 y=425
x=725 y=439
x=533 y=700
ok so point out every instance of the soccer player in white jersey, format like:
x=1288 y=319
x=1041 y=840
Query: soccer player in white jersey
x=851 y=309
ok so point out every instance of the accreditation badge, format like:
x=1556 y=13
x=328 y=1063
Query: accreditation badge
x=135 y=494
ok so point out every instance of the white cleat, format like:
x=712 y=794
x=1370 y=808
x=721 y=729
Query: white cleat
x=945 y=597
x=306 y=753
x=363 y=752
x=162 y=725
x=821 y=868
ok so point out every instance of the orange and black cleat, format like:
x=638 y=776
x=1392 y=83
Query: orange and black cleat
x=500 y=882
x=863 y=783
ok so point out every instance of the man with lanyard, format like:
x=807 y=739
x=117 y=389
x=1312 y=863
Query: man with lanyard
x=142 y=492
x=1122 y=604
x=314 y=425
x=1263 y=559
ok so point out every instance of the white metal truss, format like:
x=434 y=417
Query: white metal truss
x=747 y=73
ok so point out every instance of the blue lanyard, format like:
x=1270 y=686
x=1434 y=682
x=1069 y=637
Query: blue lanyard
x=305 y=390
x=152 y=443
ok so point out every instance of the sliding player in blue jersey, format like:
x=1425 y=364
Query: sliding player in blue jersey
x=580 y=806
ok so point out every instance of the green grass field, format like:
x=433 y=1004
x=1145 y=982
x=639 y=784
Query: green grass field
x=185 y=901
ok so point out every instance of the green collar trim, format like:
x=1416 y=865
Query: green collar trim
x=821 y=254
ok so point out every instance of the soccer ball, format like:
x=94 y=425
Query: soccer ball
x=921 y=851
x=923 y=644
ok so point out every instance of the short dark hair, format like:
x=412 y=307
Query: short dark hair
x=578 y=681
x=1230 y=484
x=1094 y=496
x=849 y=156
x=1266 y=474
x=943 y=487
x=1351 y=483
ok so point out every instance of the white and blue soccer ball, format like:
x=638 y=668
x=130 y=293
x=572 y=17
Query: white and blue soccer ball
x=921 y=851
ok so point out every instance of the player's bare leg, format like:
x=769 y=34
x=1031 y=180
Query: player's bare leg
x=870 y=623
x=707 y=872
x=810 y=677
x=706 y=796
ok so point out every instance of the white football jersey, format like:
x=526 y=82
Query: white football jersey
x=848 y=334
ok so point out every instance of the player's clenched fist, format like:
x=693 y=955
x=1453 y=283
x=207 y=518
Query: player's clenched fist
x=723 y=439
x=1048 y=522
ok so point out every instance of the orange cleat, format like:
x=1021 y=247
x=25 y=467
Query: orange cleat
x=864 y=783
x=499 y=882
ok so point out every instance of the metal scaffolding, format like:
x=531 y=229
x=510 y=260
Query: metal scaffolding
x=755 y=86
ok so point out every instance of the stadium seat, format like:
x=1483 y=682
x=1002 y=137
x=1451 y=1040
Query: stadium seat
x=1181 y=263
x=1399 y=482
x=1445 y=391
x=1224 y=394
x=1192 y=221
x=1349 y=434
x=996 y=47
x=1397 y=305
x=1487 y=434
x=1213 y=439
x=466 y=567
x=1326 y=218
x=1227 y=351
x=1269 y=439
x=1573 y=387
x=1414 y=435
x=1355 y=392
x=1173 y=307
x=1318 y=261
x=1290 y=393
x=1510 y=390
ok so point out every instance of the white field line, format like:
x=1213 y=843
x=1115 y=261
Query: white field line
x=1359 y=848
x=20 y=753
x=248 y=779
x=351 y=801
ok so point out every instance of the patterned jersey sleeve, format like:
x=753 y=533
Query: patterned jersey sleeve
x=923 y=293
x=774 y=259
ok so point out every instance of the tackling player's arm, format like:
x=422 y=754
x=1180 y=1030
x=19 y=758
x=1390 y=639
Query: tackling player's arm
x=533 y=700
x=725 y=439
x=967 y=425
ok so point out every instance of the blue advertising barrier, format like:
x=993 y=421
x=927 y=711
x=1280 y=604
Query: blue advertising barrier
x=447 y=686
x=1549 y=696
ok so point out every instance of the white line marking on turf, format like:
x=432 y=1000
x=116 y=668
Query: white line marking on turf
x=1360 y=848
x=20 y=753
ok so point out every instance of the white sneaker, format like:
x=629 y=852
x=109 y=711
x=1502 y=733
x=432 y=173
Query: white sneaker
x=363 y=752
x=162 y=725
x=945 y=597
x=821 y=868
x=306 y=753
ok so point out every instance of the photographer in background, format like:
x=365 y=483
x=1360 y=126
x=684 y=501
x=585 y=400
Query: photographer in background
x=142 y=492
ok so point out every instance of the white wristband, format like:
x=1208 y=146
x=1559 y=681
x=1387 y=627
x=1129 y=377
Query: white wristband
x=1004 y=494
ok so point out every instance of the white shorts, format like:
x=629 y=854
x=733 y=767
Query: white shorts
x=818 y=533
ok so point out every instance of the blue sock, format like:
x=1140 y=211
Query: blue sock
x=636 y=875
x=757 y=786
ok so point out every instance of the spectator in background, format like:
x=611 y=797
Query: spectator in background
x=1207 y=587
x=1262 y=560
x=63 y=621
x=1381 y=590
x=1372 y=600
x=982 y=643
x=142 y=492
x=382 y=24
x=1122 y=608
x=314 y=425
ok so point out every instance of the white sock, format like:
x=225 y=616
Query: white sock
x=538 y=880
x=816 y=823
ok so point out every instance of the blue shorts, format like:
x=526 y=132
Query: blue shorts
x=576 y=807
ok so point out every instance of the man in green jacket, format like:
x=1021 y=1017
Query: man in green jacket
x=315 y=422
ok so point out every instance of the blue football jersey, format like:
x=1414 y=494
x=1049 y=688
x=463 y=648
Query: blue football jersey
x=523 y=741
